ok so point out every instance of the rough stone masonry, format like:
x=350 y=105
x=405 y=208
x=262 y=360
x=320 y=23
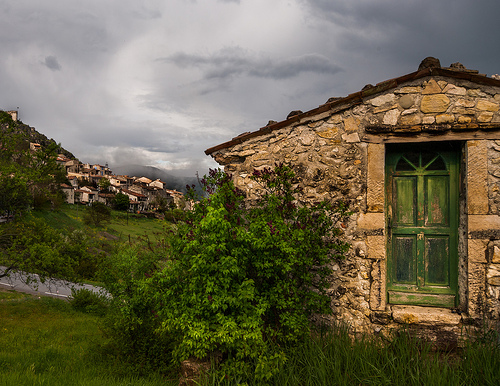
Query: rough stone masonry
x=339 y=149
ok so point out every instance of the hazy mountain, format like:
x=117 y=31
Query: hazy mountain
x=172 y=182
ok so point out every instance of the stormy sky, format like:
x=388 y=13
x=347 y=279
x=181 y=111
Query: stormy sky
x=156 y=82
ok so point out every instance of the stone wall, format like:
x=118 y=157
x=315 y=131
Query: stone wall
x=339 y=154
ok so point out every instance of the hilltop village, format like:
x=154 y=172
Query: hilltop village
x=89 y=183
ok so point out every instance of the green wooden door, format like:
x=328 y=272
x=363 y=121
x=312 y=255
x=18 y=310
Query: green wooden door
x=422 y=224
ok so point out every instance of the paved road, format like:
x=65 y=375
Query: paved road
x=51 y=287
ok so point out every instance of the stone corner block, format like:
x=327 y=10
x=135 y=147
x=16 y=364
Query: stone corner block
x=371 y=221
x=477 y=250
x=483 y=222
x=375 y=246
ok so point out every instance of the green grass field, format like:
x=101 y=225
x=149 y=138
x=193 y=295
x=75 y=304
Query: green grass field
x=43 y=341
x=124 y=226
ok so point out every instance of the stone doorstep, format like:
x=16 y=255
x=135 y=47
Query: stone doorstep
x=431 y=316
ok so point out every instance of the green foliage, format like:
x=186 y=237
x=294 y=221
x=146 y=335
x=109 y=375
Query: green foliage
x=175 y=215
x=85 y=300
x=96 y=214
x=121 y=201
x=33 y=246
x=162 y=204
x=233 y=279
x=15 y=196
x=36 y=177
x=104 y=184
x=132 y=320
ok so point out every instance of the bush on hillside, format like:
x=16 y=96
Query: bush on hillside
x=96 y=214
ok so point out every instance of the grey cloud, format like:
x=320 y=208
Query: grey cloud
x=235 y=61
x=52 y=63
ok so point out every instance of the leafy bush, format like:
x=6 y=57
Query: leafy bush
x=85 y=300
x=131 y=320
x=234 y=279
x=32 y=245
x=121 y=201
x=175 y=215
x=96 y=214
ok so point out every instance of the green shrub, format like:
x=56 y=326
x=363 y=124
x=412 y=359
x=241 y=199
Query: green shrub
x=234 y=282
x=85 y=300
x=96 y=214
x=175 y=215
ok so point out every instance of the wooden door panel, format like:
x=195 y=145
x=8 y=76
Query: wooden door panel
x=405 y=201
x=405 y=250
x=437 y=208
x=437 y=250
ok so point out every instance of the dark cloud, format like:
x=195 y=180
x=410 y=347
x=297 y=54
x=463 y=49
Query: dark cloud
x=401 y=33
x=52 y=63
x=230 y=62
x=227 y=67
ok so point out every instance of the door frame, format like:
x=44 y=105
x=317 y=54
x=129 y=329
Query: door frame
x=413 y=295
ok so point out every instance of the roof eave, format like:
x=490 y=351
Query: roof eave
x=357 y=98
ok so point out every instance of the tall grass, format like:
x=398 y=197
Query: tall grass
x=333 y=359
x=43 y=341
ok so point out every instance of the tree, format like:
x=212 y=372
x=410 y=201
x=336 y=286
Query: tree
x=38 y=171
x=121 y=202
x=104 y=184
x=96 y=214
x=234 y=279
x=15 y=196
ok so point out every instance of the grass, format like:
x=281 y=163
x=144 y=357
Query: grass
x=333 y=359
x=43 y=341
x=127 y=227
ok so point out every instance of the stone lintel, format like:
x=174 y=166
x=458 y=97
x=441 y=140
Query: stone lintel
x=425 y=315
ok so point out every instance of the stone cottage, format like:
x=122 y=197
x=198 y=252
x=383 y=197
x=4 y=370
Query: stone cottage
x=418 y=159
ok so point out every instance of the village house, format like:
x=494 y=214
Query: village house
x=35 y=146
x=61 y=160
x=417 y=158
x=72 y=166
x=158 y=184
x=118 y=182
x=69 y=193
x=87 y=195
x=138 y=201
x=106 y=198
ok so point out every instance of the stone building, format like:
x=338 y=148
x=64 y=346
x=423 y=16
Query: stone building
x=418 y=159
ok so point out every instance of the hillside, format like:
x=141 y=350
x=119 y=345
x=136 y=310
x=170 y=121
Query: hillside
x=30 y=133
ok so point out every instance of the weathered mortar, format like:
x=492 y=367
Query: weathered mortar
x=338 y=154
